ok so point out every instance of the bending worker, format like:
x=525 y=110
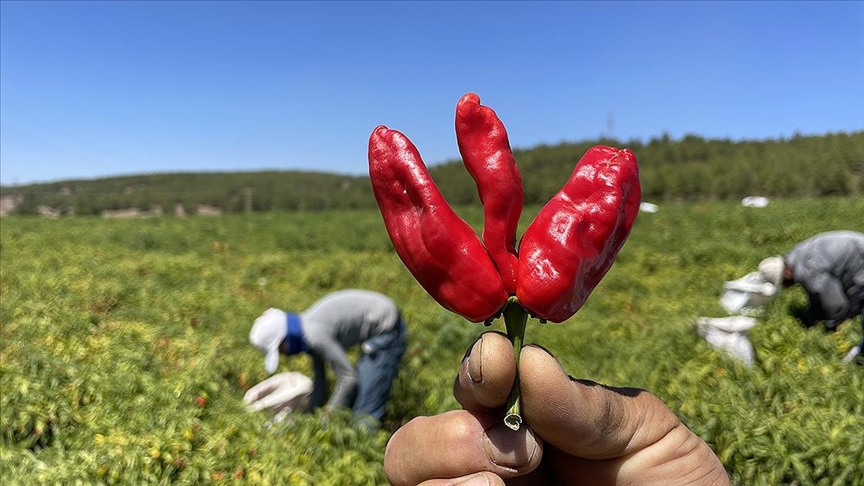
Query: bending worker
x=326 y=331
x=830 y=267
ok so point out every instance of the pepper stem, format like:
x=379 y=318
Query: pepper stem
x=515 y=317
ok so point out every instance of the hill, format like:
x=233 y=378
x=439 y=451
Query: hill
x=195 y=193
x=692 y=168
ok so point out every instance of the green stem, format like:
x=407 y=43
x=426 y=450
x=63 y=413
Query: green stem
x=515 y=317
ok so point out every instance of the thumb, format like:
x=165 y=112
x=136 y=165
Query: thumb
x=585 y=419
x=610 y=435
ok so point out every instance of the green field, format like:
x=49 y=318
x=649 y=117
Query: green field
x=124 y=352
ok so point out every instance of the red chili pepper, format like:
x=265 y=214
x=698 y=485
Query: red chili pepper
x=486 y=153
x=573 y=241
x=439 y=248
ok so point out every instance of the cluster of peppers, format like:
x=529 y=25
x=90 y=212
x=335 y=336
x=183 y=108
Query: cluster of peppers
x=562 y=256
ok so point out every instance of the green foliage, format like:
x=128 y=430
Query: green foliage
x=694 y=168
x=689 y=169
x=124 y=352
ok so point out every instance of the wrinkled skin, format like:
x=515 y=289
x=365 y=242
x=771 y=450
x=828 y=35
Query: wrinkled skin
x=577 y=432
x=486 y=154
x=574 y=239
x=439 y=248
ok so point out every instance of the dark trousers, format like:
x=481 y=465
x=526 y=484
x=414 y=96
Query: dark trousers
x=860 y=346
x=376 y=371
x=861 y=304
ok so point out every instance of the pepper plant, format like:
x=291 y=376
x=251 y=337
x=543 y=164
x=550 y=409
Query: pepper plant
x=563 y=254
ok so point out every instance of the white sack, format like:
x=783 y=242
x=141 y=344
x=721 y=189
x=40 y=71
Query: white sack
x=647 y=207
x=850 y=357
x=280 y=394
x=729 y=335
x=744 y=295
x=755 y=201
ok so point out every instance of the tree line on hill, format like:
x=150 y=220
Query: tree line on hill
x=692 y=168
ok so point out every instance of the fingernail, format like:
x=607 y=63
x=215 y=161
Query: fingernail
x=543 y=348
x=510 y=448
x=475 y=361
x=473 y=480
x=560 y=366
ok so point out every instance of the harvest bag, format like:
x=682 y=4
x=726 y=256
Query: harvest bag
x=728 y=334
x=741 y=298
x=280 y=394
x=745 y=295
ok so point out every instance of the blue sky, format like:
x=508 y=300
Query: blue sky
x=96 y=89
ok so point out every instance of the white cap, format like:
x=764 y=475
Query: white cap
x=267 y=334
x=772 y=268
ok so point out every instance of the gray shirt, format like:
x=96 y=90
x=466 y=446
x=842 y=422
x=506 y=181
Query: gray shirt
x=830 y=266
x=336 y=323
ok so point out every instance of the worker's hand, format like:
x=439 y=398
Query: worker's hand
x=282 y=392
x=574 y=431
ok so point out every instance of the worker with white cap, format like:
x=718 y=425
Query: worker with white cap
x=326 y=331
x=830 y=267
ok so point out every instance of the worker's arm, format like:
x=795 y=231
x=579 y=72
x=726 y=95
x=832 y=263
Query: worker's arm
x=330 y=351
x=319 y=383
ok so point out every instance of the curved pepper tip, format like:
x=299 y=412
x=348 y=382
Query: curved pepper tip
x=628 y=154
x=472 y=97
x=382 y=134
x=614 y=152
x=625 y=152
x=470 y=101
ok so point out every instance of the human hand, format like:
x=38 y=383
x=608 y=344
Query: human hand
x=578 y=432
x=281 y=392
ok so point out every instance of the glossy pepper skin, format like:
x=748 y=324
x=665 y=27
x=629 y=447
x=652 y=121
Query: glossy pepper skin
x=575 y=237
x=486 y=154
x=439 y=248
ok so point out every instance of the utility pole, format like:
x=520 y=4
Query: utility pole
x=248 y=202
x=610 y=124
